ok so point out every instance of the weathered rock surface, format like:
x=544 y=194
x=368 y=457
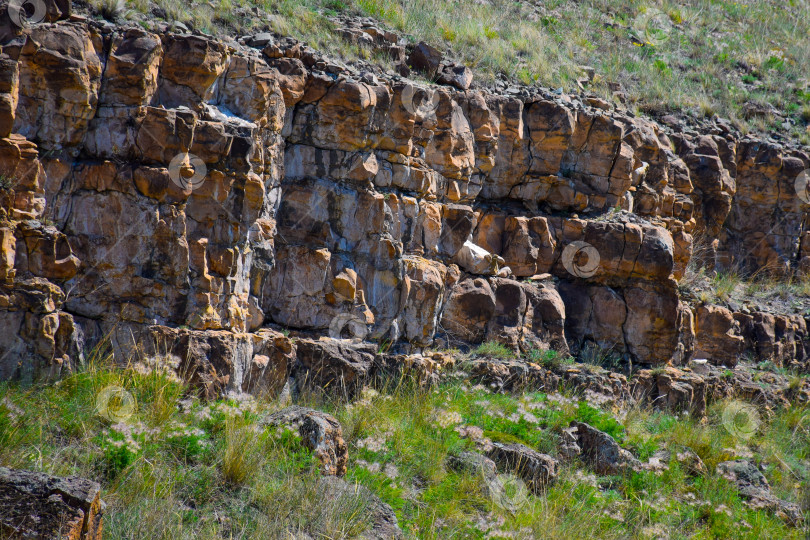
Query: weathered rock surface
x=754 y=488
x=513 y=375
x=473 y=462
x=481 y=466
x=321 y=433
x=36 y=505
x=765 y=223
x=536 y=469
x=334 y=365
x=215 y=362
x=594 y=383
x=601 y=451
x=425 y=369
x=693 y=388
x=673 y=389
x=519 y=315
x=189 y=189
x=569 y=444
x=781 y=339
x=717 y=336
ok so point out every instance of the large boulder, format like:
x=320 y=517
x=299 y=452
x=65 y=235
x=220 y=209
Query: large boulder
x=470 y=306
x=521 y=315
x=645 y=320
x=536 y=469
x=339 y=366
x=426 y=59
x=754 y=488
x=36 y=505
x=601 y=451
x=545 y=318
x=320 y=433
x=717 y=336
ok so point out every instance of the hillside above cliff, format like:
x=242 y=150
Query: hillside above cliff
x=743 y=61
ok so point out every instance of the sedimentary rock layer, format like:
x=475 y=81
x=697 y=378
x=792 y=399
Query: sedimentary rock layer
x=178 y=194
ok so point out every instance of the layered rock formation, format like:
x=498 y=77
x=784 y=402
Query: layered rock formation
x=180 y=195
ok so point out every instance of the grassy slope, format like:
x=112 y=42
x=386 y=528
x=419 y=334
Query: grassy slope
x=703 y=56
x=179 y=468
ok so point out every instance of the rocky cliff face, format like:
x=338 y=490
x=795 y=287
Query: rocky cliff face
x=180 y=196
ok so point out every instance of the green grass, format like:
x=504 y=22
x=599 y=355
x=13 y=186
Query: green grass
x=549 y=359
x=784 y=295
x=493 y=349
x=705 y=57
x=725 y=284
x=170 y=469
x=181 y=468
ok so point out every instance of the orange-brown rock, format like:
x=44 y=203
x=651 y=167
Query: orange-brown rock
x=780 y=339
x=178 y=180
x=765 y=221
x=672 y=389
x=60 y=75
x=717 y=336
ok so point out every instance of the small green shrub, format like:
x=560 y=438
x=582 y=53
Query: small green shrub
x=118 y=453
x=725 y=284
x=494 y=349
x=109 y=9
x=600 y=420
x=549 y=359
